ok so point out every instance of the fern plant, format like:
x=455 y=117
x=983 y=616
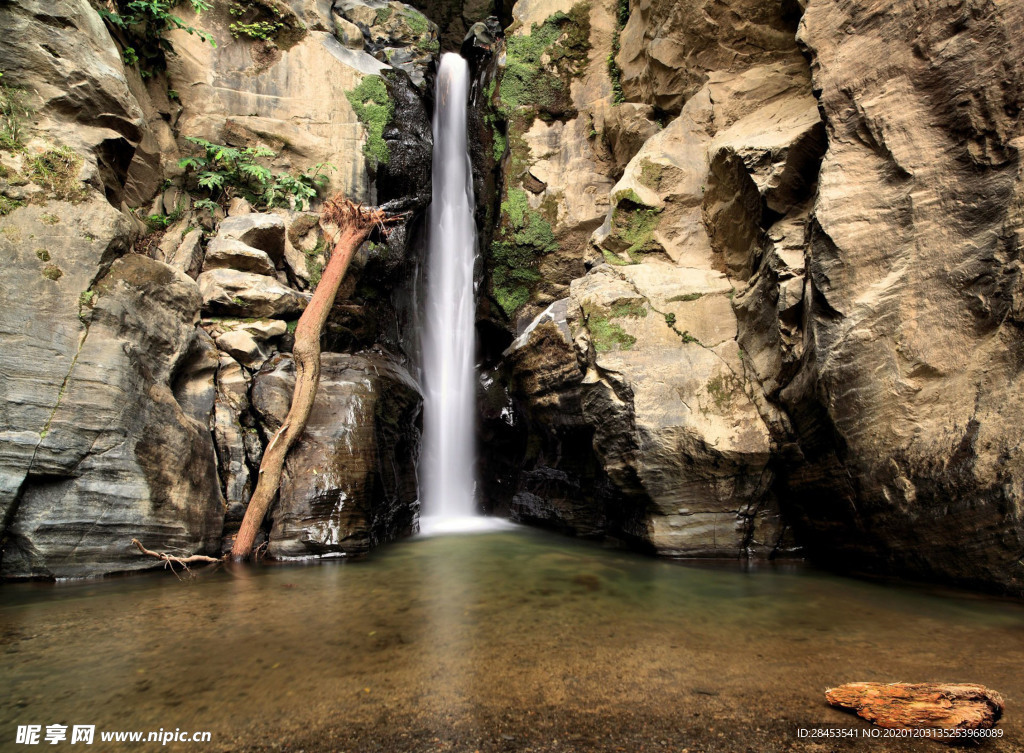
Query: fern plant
x=144 y=24
x=225 y=172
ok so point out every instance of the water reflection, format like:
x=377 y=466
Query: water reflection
x=486 y=637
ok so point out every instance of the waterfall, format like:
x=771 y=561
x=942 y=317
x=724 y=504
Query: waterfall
x=448 y=462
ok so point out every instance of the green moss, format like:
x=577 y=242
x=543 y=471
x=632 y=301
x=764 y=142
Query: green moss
x=539 y=65
x=614 y=260
x=614 y=72
x=383 y=15
x=315 y=263
x=49 y=219
x=607 y=335
x=635 y=310
x=42 y=254
x=8 y=205
x=685 y=298
x=52 y=272
x=651 y=174
x=374 y=108
x=57 y=171
x=292 y=325
x=635 y=223
x=522 y=238
x=720 y=391
x=416 y=21
x=500 y=144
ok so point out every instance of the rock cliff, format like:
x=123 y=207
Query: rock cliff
x=799 y=324
x=751 y=277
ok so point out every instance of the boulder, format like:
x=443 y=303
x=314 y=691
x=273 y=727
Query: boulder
x=63 y=54
x=261 y=231
x=222 y=253
x=350 y=481
x=667 y=51
x=231 y=293
x=673 y=424
x=260 y=92
x=243 y=347
x=188 y=255
x=562 y=485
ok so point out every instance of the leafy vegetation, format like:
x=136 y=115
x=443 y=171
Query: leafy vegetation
x=225 y=172
x=374 y=108
x=651 y=174
x=523 y=237
x=143 y=24
x=686 y=297
x=249 y=23
x=8 y=205
x=52 y=272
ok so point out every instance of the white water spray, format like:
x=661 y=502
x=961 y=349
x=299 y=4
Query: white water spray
x=449 y=450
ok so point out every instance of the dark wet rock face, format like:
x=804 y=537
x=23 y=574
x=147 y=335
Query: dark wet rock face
x=350 y=482
x=410 y=143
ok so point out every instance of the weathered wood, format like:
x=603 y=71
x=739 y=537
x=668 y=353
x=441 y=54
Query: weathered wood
x=930 y=705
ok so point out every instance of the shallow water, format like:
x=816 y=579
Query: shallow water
x=505 y=641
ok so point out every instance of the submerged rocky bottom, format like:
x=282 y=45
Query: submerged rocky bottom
x=507 y=641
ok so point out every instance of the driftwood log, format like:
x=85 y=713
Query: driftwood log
x=170 y=560
x=929 y=705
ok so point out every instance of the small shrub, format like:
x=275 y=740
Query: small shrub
x=8 y=205
x=685 y=297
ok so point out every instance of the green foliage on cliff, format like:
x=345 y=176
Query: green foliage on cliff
x=56 y=170
x=635 y=222
x=607 y=335
x=13 y=112
x=225 y=172
x=374 y=108
x=539 y=65
x=523 y=237
x=142 y=25
x=614 y=72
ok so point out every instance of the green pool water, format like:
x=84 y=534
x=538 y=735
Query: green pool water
x=508 y=641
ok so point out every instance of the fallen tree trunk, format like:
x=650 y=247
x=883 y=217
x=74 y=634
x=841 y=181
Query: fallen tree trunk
x=354 y=225
x=928 y=705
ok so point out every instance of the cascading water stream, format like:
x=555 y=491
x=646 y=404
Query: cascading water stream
x=449 y=380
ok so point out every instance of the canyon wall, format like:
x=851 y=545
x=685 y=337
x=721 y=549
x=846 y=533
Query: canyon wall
x=799 y=325
x=750 y=280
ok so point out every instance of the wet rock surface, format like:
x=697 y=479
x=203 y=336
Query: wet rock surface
x=350 y=482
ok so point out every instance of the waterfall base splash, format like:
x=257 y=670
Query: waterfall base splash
x=435 y=525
